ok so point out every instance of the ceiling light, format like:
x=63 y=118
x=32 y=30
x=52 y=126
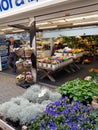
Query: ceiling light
x=4 y=29
x=83 y=17
x=85 y=22
x=58 y=21
x=47 y=27
x=19 y=30
x=44 y=23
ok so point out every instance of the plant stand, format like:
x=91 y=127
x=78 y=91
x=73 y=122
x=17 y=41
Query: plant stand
x=25 y=84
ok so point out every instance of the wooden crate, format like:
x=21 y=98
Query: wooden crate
x=5 y=126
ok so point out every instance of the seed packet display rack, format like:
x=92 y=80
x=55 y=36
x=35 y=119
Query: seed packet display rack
x=26 y=70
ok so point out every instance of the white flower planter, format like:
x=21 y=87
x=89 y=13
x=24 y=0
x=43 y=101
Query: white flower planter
x=54 y=66
x=63 y=63
x=44 y=65
x=65 y=54
x=49 y=65
x=77 y=55
x=40 y=64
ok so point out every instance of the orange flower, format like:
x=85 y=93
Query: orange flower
x=96 y=70
x=91 y=70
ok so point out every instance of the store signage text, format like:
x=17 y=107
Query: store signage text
x=6 y=5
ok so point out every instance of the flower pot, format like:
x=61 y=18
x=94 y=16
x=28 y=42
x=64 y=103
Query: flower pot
x=19 y=66
x=27 y=68
x=39 y=64
x=28 y=53
x=29 y=81
x=95 y=102
x=44 y=65
x=49 y=65
x=63 y=63
x=21 y=80
x=54 y=66
x=19 y=52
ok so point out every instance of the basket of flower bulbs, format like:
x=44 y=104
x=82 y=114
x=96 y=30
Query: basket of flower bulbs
x=27 y=64
x=21 y=78
x=28 y=51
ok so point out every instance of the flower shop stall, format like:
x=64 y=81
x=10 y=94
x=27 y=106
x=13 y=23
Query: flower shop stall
x=52 y=64
x=24 y=65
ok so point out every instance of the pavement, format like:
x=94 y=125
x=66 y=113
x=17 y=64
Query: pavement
x=8 y=87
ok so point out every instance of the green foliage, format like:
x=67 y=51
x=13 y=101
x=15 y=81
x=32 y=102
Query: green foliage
x=79 y=90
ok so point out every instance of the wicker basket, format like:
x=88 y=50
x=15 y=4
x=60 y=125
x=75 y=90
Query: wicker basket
x=29 y=81
x=28 y=53
x=27 y=68
x=19 y=52
x=95 y=102
x=19 y=66
x=22 y=80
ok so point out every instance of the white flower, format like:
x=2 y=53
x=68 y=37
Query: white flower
x=14 y=112
x=29 y=112
x=20 y=101
x=46 y=102
x=34 y=88
x=88 y=78
x=54 y=96
x=44 y=95
x=4 y=108
x=32 y=93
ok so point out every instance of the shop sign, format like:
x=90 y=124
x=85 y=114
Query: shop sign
x=6 y=5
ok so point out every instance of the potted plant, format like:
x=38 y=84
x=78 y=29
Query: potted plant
x=95 y=102
x=44 y=64
x=48 y=63
x=93 y=72
x=63 y=115
x=54 y=64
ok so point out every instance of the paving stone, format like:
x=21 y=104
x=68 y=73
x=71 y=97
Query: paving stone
x=8 y=87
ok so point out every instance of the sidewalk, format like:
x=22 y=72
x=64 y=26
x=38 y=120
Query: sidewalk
x=8 y=87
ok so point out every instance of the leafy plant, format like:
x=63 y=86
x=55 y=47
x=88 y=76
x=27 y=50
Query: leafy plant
x=63 y=115
x=30 y=104
x=79 y=90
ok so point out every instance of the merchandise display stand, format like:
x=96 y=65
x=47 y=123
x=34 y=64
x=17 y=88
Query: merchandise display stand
x=25 y=84
x=47 y=72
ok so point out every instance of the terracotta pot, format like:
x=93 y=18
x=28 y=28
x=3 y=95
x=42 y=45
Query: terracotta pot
x=95 y=102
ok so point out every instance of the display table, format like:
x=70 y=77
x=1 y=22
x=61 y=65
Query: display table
x=77 y=55
x=49 y=69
